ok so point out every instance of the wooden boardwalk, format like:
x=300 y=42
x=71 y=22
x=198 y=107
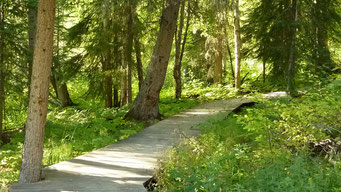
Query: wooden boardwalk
x=124 y=166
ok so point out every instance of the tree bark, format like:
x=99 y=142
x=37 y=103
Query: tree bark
x=107 y=86
x=229 y=53
x=218 y=68
x=324 y=63
x=62 y=91
x=2 y=96
x=106 y=56
x=129 y=49
x=60 y=87
x=37 y=111
x=32 y=25
x=237 y=42
x=117 y=63
x=138 y=61
x=2 y=67
x=292 y=62
x=264 y=70
x=146 y=104
x=124 y=82
x=116 y=102
x=177 y=66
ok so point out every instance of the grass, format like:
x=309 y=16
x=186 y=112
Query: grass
x=264 y=148
x=73 y=131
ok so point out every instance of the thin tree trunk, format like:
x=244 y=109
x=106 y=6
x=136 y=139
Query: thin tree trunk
x=32 y=25
x=124 y=82
x=291 y=68
x=2 y=96
x=61 y=90
x=138 y=60
x=229 y=52
x=129 y=49
x=108 y=90
x=54 y=83
x=146 y=104
x=129 y=84
x=177 y=66
x=63 y=93
x=106 y=59
x=37 y=111
x=231 y=60
x=108 y=83
x=116 y=102
x=324 y=62
x=264 y=70
x=218 y=69
x=2 y=67
x=117 y=63
x=237 y=42
x=179 y=89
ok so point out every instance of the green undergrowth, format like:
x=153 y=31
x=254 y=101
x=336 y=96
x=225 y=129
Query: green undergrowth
x=73 y=131
x=272 y=146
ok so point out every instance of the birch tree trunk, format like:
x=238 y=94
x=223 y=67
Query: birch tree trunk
x=146 y=104
x=237 y=43
x=37 y=111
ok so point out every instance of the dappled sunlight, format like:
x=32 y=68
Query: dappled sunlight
x=132 y=161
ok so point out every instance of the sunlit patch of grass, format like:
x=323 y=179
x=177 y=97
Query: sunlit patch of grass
x=264 y=148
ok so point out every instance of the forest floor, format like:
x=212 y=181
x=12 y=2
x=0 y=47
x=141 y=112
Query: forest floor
x=126 y=165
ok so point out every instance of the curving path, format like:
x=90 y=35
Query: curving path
x=124 y=166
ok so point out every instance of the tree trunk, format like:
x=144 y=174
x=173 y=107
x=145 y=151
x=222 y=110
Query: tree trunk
x=264 y=70
x=218 y=69
x=117 y=63
x=138 y=61
x=2 y=96
x=230 y=58
x=106 y=69
x=106 y=57
x=116 y=102
x=324 y=63
x=291 y=64
x=61 y=90
x=2 y=67
x=129 y=49
x=177 y=66
x=32 y=25
x=37 y=111
x=107 y=87
x=124 y=82
x=62 y=93
x=237 y=42
x=146 y=104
